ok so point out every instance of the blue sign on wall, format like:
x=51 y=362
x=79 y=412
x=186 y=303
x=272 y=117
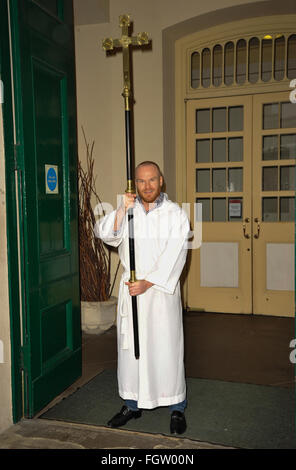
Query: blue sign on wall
x=51 y=179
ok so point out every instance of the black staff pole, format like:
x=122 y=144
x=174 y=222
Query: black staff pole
x=109 y=44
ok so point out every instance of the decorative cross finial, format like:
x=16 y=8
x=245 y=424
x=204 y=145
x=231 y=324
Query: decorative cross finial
x=124 y=42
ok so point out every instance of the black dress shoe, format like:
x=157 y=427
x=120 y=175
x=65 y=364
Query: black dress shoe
x=178 y=422
x=123 y=417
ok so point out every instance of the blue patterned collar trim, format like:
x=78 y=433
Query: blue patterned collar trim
x=155 y=204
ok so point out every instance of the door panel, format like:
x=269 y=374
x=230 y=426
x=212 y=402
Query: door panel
x=46 y=108
x=219 y=178
x=246 y=261
x=274 y=153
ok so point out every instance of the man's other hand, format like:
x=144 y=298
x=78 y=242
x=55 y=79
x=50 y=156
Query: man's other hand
x=138 y=287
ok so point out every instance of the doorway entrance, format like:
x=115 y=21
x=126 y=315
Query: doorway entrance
x=241 y=154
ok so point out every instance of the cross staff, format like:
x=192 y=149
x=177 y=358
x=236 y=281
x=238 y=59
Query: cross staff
x=124 y=43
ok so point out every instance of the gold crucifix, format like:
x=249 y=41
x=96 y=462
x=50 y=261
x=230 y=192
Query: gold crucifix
x=124 y=42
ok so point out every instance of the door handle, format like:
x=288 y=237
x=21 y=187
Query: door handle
x=246 y=235
x=258 y=228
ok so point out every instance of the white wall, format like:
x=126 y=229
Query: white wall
x=5 y=357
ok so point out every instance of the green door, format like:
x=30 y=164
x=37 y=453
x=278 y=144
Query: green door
x=46 y=143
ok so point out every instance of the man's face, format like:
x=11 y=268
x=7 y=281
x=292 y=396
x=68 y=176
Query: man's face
x=148 y=183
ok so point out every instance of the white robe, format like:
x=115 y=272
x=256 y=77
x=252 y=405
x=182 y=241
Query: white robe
x=157 y=378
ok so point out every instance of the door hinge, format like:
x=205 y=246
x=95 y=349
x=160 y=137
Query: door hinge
x=24 y=355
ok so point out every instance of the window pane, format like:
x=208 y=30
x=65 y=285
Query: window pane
x=288 y=115
x=235 y=149
x=288 y=146
x=195 y=70
x=235 y=179
x=203 y=151
x=206 y=211
x=270 y=178
x=206 y=68
x=266 y=60
x=287 y=178
x=253 y=60
x=219 y=210
x=219 y=180
x=279 y=58
x=203 y=181
x=287 y=209
x=202 y=120
x=236 y=118
x=270 y=147
x=292 y=56
x=229 y=63
x=219 y=150
x=241 y=60
x=269 y=209
x=217 y=65
x=271 y=116
x=235 y=209
x=219 y=119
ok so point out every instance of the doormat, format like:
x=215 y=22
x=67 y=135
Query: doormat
x=227 y=413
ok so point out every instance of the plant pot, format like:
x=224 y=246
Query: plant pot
x=97 y=317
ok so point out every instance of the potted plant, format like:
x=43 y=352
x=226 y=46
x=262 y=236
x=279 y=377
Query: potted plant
x=98 y=306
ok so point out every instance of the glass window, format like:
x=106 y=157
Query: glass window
x=271 y=116
x=287 y=178
x=195 y=70
x=203 y=181
x=269 y=209
x=270 y=147
x=288 y=115
x=229 y=63
x=235 y=149
x=279 y=58
x=270 y=178
x=288 y=146
x=287 y=209
x=219 y=210
x=206 y=68
x=291 y=72
x=266 y=67
x=202 y=120
x=235 y=179
x=254 y=60
x=219 y=150
x=217 y=65
x=241 y=61
x=236 y=118
x=219 y=119
x=203 y=151
x=219 y=179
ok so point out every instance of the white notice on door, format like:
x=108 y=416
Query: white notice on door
x=235 y=208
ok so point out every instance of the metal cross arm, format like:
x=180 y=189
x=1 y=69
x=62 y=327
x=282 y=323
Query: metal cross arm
x=124 y=42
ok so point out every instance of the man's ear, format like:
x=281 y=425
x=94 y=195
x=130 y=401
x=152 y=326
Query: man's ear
x=161 y=181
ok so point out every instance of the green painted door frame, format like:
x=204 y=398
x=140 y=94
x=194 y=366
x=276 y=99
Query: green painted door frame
x=11 y=213
x=43 y=252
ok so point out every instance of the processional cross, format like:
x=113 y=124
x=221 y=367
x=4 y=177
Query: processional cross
x=124 y=43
